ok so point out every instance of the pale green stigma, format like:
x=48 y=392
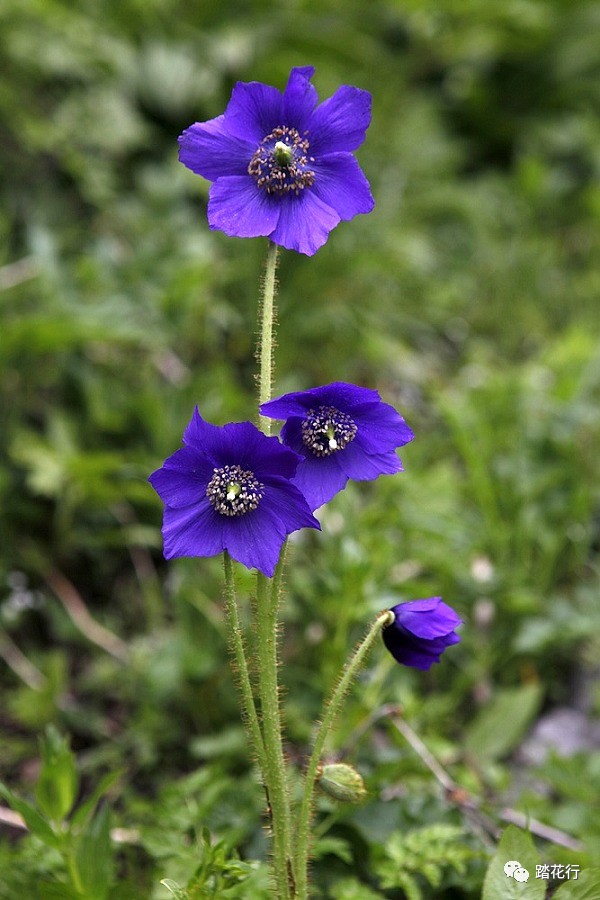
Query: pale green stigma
x=233 y=491
x=283 y=154
x=281 y=162
x=327 y=430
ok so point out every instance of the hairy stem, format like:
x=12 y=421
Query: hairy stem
x=248 y=705
x=275 y=771
x=330 y=713
x=267 y=609
x=266 y=332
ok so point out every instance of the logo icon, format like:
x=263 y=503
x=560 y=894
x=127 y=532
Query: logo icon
x=514 y=869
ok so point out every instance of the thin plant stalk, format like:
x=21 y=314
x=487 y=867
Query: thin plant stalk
x=267 y=609
x=275 y=772
x=249 y=712
x=330 y=713
x=266 y=333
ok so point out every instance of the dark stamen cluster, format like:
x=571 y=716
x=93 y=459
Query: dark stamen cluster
x=327 y=430
x=233 y=492
x=279 y=172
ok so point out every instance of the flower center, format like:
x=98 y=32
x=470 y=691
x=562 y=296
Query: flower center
x=326 y=430
x=280 y=164
x=234 y=492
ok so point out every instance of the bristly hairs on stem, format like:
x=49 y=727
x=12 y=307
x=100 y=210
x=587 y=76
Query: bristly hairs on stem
x=239 y=666
x=267 y=606
x=266 y=338
x=330 y=712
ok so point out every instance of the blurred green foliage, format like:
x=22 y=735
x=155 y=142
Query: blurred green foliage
x=468 y=298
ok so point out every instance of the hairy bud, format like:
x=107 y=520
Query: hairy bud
x=341 y=782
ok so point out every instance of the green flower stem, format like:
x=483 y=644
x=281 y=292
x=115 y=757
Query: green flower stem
x=275 y=771
x=243 y=677
x=267 y=322
x=330 y=713
x=267 y=609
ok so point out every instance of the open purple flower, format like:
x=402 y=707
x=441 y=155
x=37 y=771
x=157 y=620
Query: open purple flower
x=342 y=431
x=421 y=631
x=229 y=488
x=282 y=166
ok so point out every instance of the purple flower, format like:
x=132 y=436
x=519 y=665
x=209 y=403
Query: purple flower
x=342 y=431
x=282 y=166
x=421 y=631
x=229 y=488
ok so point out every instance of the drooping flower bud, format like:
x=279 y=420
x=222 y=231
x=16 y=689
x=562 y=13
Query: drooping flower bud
x=341 y=782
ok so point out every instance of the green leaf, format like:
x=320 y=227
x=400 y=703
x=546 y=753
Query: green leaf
x=515 y=846
x=501 y=724
x=410 y=886
x=333 y=846
x=36 y=823
x=58 y=783
x=84 y=812
x=57 y=891
x=352 y=889
x=178 y=892
x=585 y=887
x=94 y=857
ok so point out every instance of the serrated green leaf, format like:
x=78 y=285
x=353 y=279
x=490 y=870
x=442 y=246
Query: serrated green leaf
x=517 y=846
x=36 y=823
x=497 y=729
x=432 y=873
x=333 y=846
x=410 y=887
x=585 y=887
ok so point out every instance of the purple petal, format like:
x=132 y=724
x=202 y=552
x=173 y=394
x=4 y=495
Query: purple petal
x=237 y=207
x=428 y=619
x=341 y=184
x=183 y=477
x=340 y=123
x=253 y=111
x=242 y=444
x=239 y=443
x=320 y=479
x=194 y=531
x=299 y=99
x=304 y=222
x=421 y=631
x=208 y=149
x=361 y=466
x=380 y=427
x=341 y=394
x=415 y=653
x=203 y=435
x=286 y=406
x=291 y=435
x=265 y=456
x=255 y=540
x=288 y=505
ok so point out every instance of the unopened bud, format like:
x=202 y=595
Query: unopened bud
x=341 y=782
